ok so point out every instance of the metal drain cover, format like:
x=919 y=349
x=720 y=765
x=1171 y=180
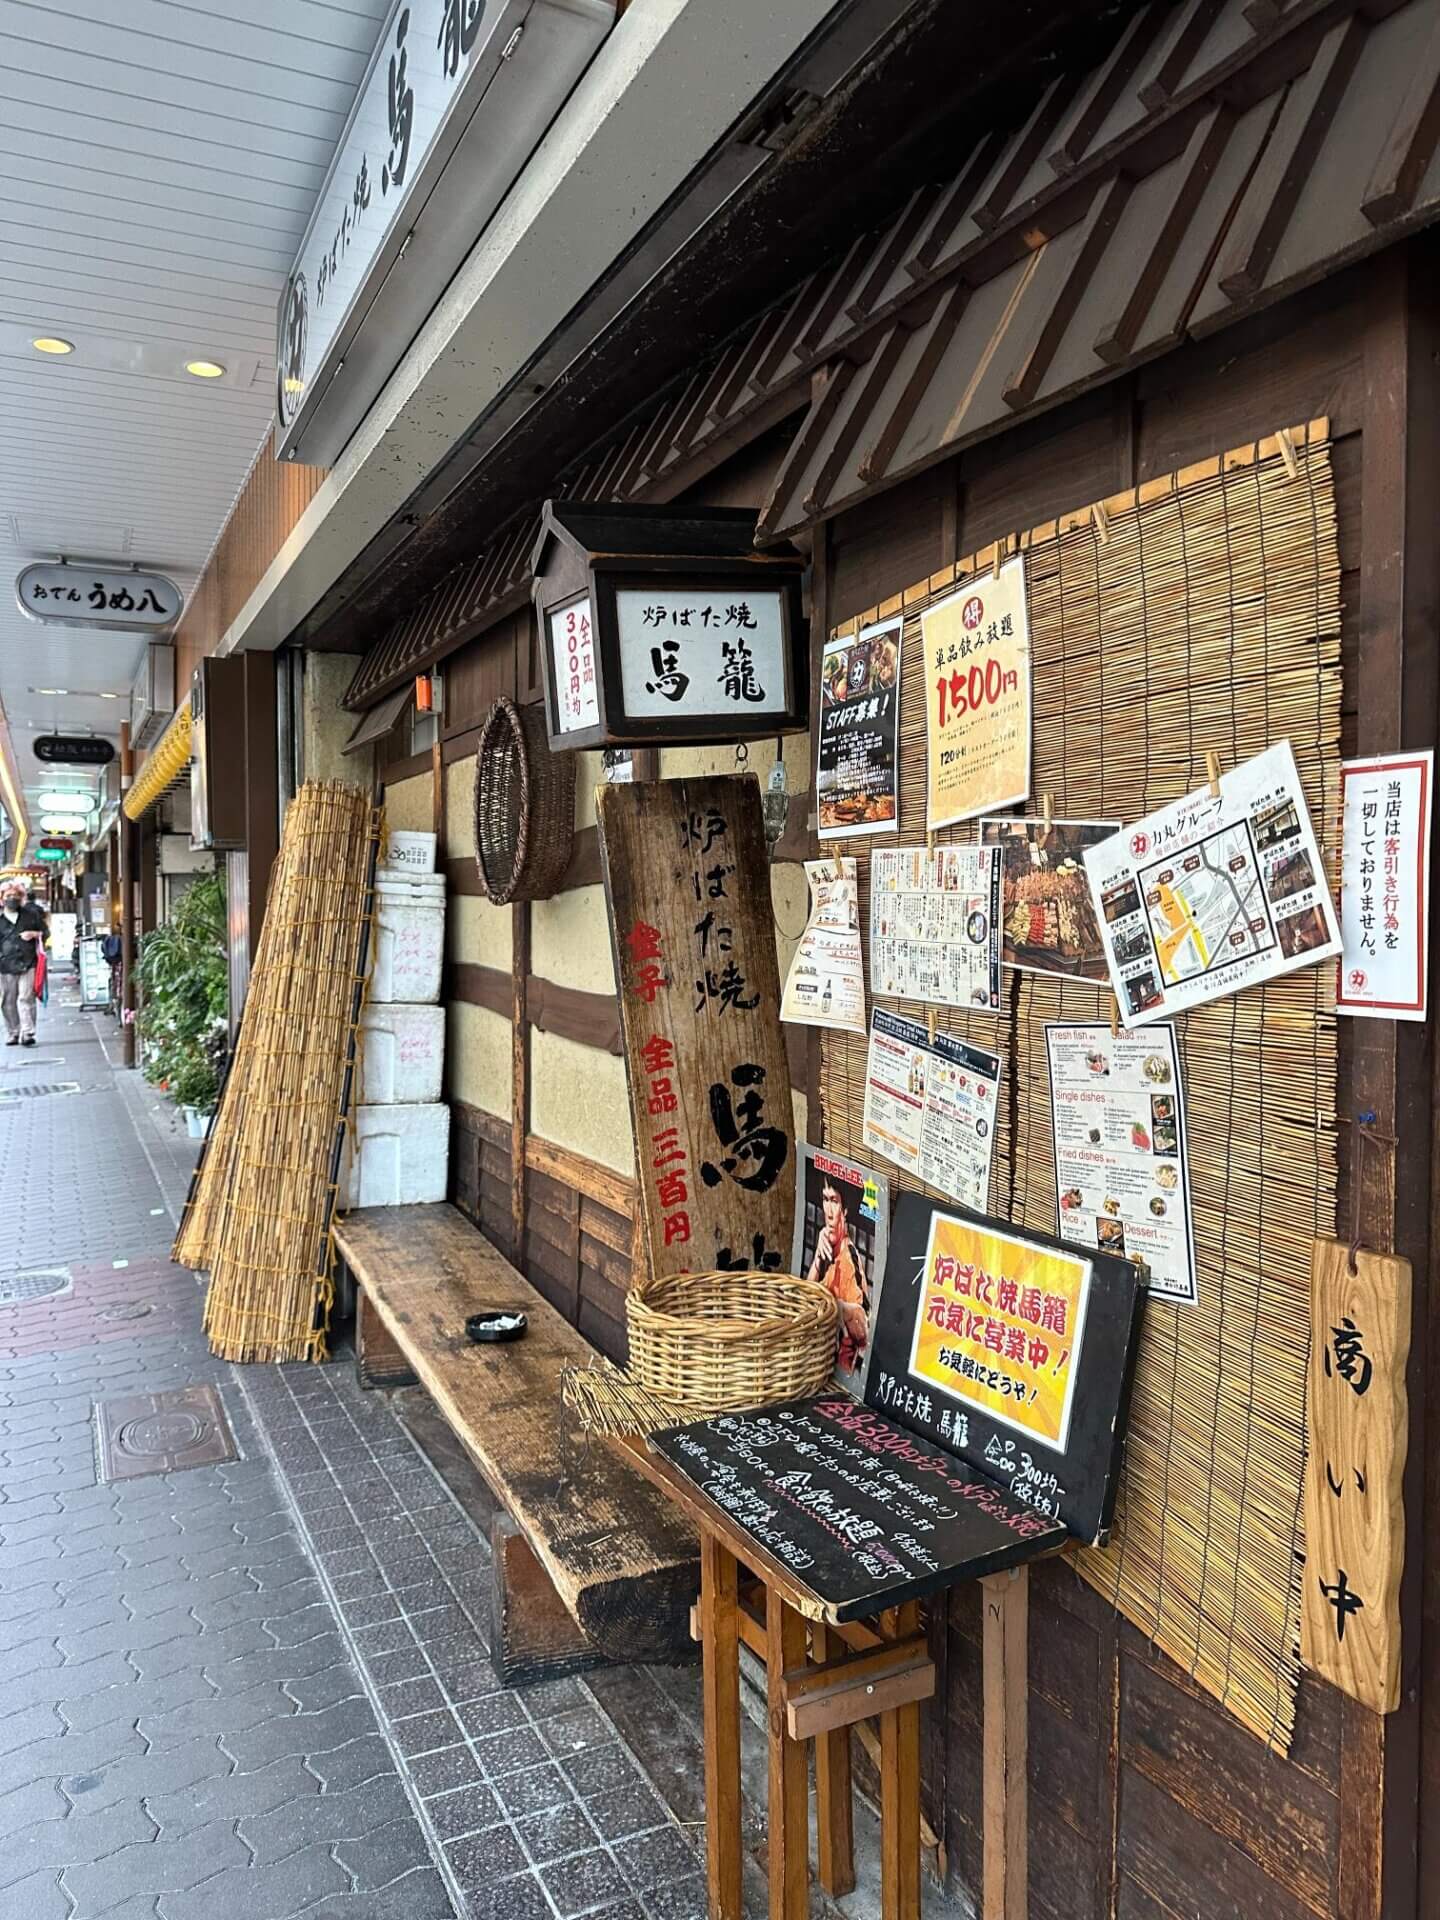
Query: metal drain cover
x=8 y=1094
x=132 y=1310
x=161 y=1433
x=41 y=1283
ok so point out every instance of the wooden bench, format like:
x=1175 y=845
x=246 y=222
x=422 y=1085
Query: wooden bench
x=591 y=1560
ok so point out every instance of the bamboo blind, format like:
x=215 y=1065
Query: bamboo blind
x=1199 y=612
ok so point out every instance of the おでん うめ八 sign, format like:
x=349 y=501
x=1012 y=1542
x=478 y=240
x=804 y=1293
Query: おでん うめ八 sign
x=122 y=599
x=1012 y=1349
x=691 y=921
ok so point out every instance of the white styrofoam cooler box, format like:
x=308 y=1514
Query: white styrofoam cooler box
x=402 y=1053
x=396 y=1156
x=409 y=939
x=408 y=855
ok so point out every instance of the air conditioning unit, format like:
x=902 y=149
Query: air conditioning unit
x=152 y=698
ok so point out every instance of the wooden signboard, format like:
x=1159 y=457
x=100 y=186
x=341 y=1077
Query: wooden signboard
x=1354 y=1514
x=851 y=1506
x=1014 y=1350
x=691 y=919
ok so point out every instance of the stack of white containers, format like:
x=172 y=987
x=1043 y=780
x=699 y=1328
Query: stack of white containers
x=399 y=1146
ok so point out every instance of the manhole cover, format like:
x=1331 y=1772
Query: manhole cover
x=43 y=1283
x=161 y=1433
x=8 y=1094
x=134 y=1310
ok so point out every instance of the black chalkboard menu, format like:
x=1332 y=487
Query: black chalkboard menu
x=1012 y=1349
x=854 y=1508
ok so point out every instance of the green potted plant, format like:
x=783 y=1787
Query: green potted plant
x=184 y=995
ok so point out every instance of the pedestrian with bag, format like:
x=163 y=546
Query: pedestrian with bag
x=24 y=929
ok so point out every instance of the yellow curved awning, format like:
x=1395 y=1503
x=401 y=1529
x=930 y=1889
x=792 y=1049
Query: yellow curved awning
x=163 y=766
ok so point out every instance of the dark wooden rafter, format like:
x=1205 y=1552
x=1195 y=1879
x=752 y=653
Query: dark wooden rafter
x=936 y=333
x=1034 y=362
x=1411 y=144
x=1099 y=99
x=1192 y=28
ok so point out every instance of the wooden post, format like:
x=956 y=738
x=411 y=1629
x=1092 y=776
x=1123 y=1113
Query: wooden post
x=1005 y=1600
x=720 y=1641
x=519 y=1072
x=126 y=864
x=900 y=1791
x=789 y=1803
x=833 y=1811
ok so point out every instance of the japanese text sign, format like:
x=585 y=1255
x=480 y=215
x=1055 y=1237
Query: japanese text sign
x=691 y=921
x=857 y=777
x=975 y=648
x=1357 y=1418
x=690 y=654
x=122 y=599
x=1385 y=886
x=1013 y=1350
x=572 y=643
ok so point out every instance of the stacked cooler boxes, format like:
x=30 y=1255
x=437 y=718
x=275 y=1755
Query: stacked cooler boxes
x=399 y=1147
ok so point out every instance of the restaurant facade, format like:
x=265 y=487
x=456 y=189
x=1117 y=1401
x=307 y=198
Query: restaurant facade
x=1155 y=314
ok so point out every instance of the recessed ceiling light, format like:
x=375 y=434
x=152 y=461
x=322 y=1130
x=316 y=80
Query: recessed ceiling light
x=51 y=343
x=205 y=369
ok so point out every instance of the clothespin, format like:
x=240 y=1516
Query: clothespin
x=1212 y=769
x=1047 y=816
x=1102 y=522
x=1001 y=547
x=1287 y=453
x=1115 y=1016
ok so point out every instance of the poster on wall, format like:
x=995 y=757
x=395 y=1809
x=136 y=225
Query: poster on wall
x=826 y=983
x=935 y=925
x=1048 y=921
x=842 y=1235
x=1214 y=892
x=1013 y=1350
x=688 y=884
x=572 y=643
x=930 y=1106
x=1385 y=886
x=1122 y=1164
x=857 y=759
x=976 y=648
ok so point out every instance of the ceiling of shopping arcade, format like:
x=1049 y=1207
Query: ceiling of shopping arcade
x=158 y=181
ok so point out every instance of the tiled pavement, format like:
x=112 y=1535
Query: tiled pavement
x=257 y=1690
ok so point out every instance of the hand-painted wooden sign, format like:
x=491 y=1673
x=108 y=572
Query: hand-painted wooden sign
x=692 y=924
x=851 y=1505
x=1013 y=1349
x=1354 y=1515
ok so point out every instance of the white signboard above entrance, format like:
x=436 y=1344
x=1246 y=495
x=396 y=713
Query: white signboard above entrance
x=457 y=94
x=120 y=598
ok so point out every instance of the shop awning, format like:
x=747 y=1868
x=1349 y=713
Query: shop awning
x=378 y=720
x=163 y=767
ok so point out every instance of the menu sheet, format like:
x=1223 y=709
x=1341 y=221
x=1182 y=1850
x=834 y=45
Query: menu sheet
x=826 y=983
x=1213 y=893
x=930 y=1106
x=935 y=924
x=857 y=779
x=1122 y=1170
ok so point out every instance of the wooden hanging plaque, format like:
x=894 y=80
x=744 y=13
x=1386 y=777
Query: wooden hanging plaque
x=688 y=882
x=1357 y=1429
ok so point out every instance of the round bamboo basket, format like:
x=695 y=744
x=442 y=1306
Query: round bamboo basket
x=524 y=806
x=718 y=1341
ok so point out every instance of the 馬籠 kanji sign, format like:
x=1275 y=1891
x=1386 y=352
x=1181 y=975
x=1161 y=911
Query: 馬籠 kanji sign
x=689 y=654
x=688 y=884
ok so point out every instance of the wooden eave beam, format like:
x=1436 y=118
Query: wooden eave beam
x=1410 y=147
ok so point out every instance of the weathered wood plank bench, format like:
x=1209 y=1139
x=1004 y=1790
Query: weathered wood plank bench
x=579 y=1525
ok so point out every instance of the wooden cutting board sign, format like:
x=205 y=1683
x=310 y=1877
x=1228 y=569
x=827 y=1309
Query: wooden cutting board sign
x=1357 y=1419
x=688 y=881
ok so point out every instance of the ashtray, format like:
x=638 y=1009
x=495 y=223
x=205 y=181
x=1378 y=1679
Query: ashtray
x=495 y=1325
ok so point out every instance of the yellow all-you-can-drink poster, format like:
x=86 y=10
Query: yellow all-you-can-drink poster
x=976 y=648
x=1000 y=1326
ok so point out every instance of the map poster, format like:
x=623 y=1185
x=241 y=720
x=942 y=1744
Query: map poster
x=935 y=925
x=1213 y=893
x=1049 y=922
x=1385 y=886
x=976 y=648
x=842 y=1233
x=826 y=983
x=856 y=780
x=930 y=1106
x=1122 y=1168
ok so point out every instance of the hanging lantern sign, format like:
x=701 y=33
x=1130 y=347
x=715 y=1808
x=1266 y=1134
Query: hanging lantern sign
x=74 y=750
x=664 y=626
x=123 y=599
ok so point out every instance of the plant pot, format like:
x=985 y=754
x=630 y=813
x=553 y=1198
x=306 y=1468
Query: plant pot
x=197 y=1124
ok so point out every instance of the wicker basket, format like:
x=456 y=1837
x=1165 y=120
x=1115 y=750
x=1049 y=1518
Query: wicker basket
x=717 y=1341
x=524 y=806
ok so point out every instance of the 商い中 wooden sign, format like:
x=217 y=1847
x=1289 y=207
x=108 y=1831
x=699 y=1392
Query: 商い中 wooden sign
x=688 y=882
x=1354 y=1514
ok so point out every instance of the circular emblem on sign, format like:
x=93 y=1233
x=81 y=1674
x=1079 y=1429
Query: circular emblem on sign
x=1139 y=843
x=290 y=349
x=973 y=612
x=1359 y=979
x=175 y=1430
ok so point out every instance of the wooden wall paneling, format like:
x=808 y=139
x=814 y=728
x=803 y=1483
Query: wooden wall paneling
x=519 y=1064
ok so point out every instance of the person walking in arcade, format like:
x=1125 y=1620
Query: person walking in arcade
x=24 y=930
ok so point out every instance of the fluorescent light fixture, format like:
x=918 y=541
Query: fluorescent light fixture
x=62 y=823
x=205 y=369
x=51 y=343
x=62 y=802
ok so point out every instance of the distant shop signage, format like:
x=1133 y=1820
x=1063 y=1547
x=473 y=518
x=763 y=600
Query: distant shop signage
x=456 y=96
x=73 y=750
x=124 y=599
